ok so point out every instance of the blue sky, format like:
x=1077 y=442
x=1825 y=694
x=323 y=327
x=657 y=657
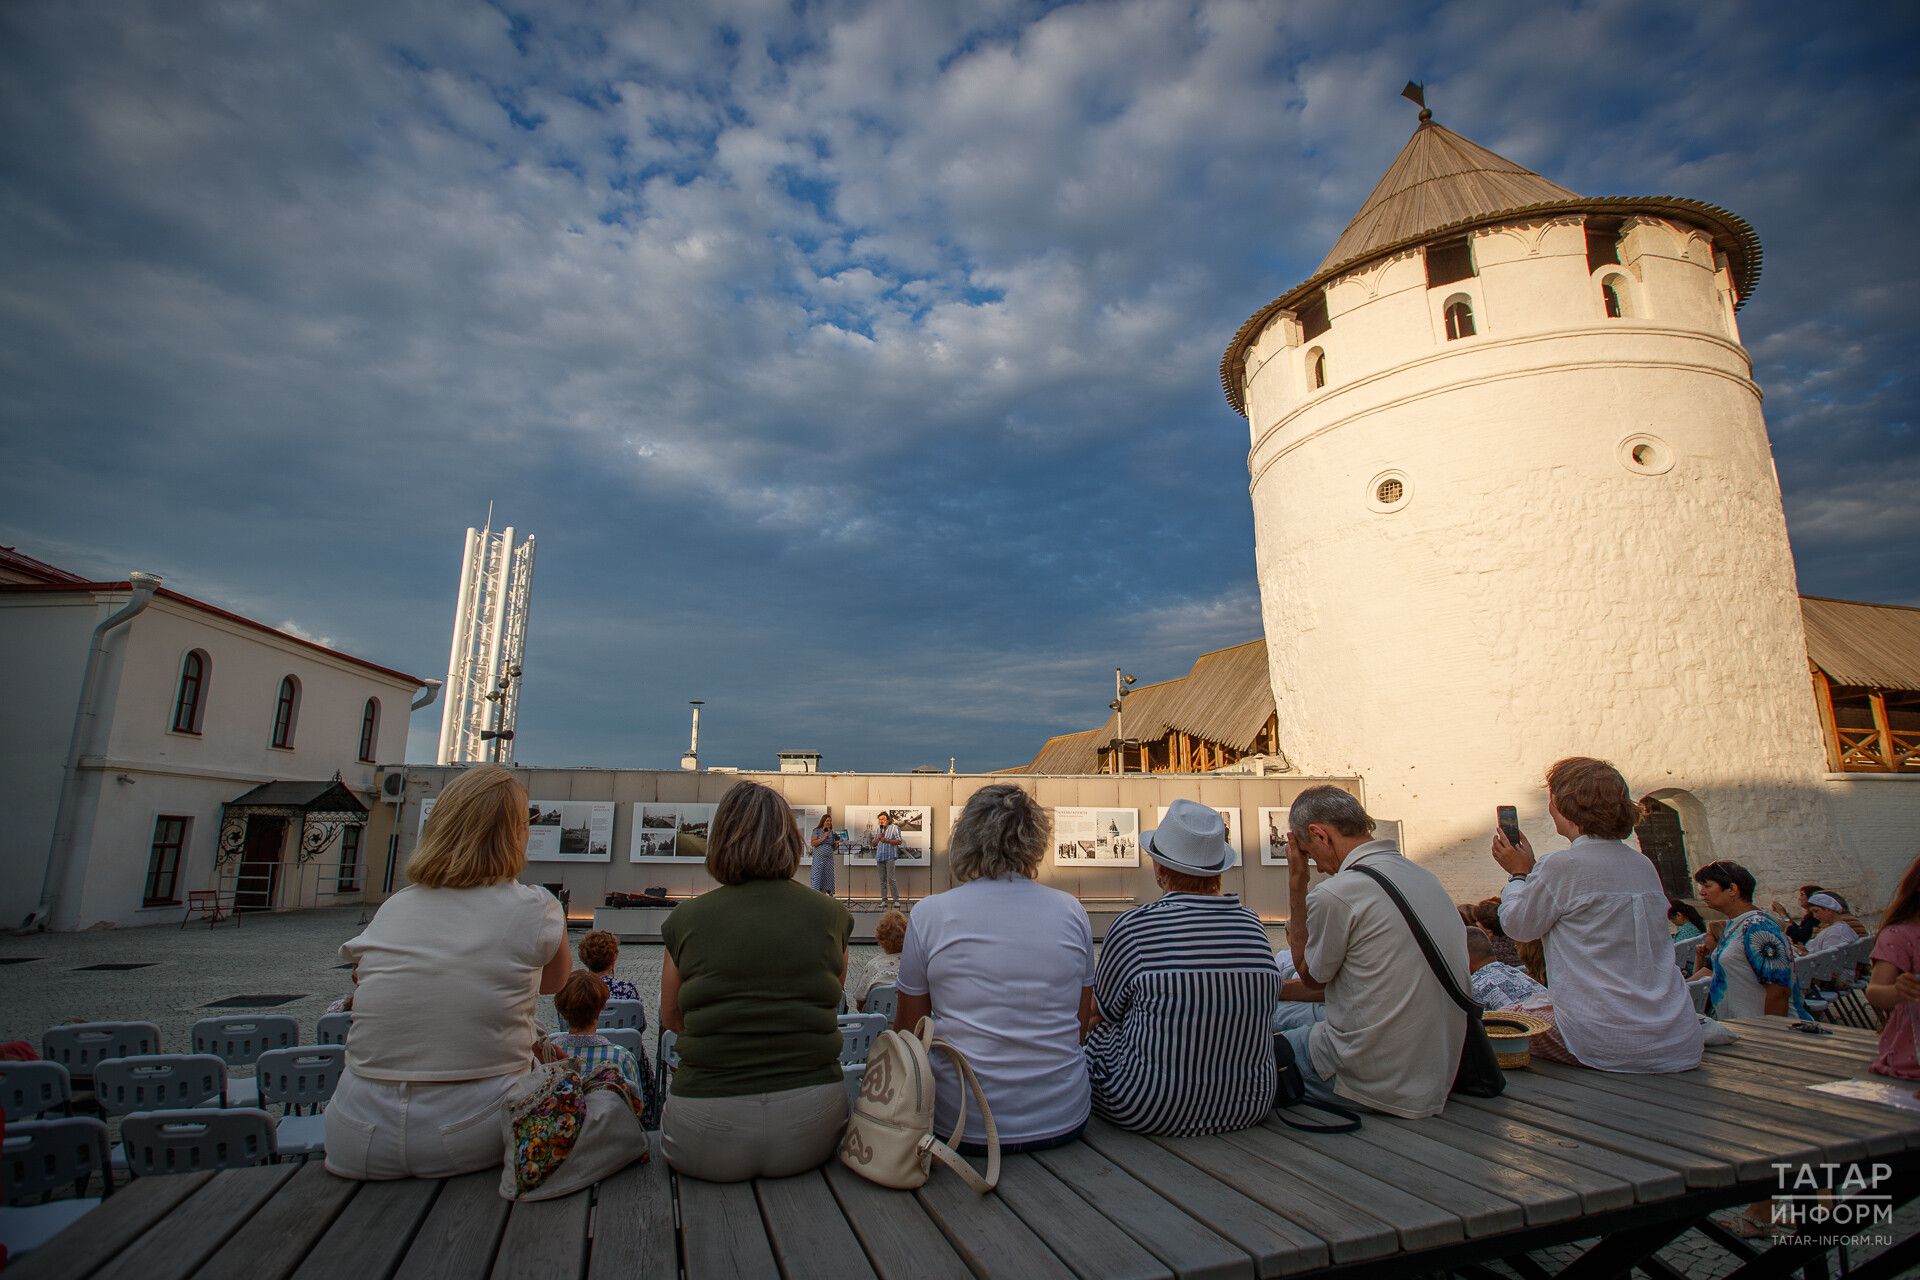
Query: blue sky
x=854 y=363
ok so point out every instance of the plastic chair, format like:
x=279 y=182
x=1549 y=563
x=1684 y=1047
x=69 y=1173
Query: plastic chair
x=159 y=1082
x=78 y=1045
x=1698 y=990
x=628 y=1038
x=302 y=1077
x=239 y=1042
x=1683 y=951
x=163 y=1142
x=42 y=1157
x=624 y=1013
x=883 y=1000
x=332 y=1027
x=667 y=1054
x=29 y=1089
x=857 y=1034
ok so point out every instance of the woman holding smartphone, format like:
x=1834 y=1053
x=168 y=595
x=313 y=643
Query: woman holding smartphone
x=1619 y=1003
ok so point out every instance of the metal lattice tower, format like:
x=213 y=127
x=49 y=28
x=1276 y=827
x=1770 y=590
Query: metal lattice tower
x=489 y=644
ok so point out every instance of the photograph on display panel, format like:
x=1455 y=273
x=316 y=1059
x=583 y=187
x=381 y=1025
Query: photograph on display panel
x=1231 y=817
x=666 y=831
x=1272 y=836
x=569 y=830
x=863 y=831
x=807 y=817
x=1096 y=837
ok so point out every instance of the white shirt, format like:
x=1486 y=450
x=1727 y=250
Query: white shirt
x=448 y=982
x=1005 y=962
x=1392 y=1036
x=1833 y=936
x=1619 y=1000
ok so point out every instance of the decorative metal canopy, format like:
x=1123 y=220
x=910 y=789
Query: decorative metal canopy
x=321 y=810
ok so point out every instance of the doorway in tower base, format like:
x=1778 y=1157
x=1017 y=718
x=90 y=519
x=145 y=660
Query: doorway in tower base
x=1674 y=836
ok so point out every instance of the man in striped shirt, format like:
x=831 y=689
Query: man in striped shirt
x=1185 y=988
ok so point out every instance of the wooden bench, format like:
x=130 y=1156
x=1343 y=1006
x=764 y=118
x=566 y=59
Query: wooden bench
x=1565 y=1155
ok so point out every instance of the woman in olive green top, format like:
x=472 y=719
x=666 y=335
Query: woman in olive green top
x=751 y=983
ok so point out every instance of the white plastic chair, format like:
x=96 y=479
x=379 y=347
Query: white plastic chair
x=621 y=1014
x=300 y=1080
x=667 y=1057
x=857 y=1034
x=163 y=1142
x=332 y=1027
x=1698 y=989
x=239 y=1042
x=628 y=1038
x=29 y=1089
x=42 y=1157
x=78 y=1045
x=159 y=1082
x=883 y=1000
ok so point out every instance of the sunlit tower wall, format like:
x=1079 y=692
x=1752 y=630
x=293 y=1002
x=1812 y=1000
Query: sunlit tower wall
x=489 y=646
x=1514 y=500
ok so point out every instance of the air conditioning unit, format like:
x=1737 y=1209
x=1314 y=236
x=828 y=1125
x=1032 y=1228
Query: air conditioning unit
x=393 y=788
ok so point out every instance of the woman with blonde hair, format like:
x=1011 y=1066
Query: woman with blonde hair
x=448 y=971
x=1004 y=965
x=751 y=984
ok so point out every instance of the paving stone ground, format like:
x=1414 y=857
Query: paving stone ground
x=297 y=954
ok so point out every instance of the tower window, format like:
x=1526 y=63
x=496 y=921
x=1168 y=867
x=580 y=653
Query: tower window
x=1389 y=492
x=1610 y=297
x=1449 y=262
x=1316 y=369
x=1459 y=314
x=1603 y=243
x=1313 y=318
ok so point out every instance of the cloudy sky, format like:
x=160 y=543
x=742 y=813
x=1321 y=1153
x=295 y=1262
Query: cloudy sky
x=854 y=363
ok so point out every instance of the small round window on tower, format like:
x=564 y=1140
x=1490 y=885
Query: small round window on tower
x=1389 y=491
x=1646 y=455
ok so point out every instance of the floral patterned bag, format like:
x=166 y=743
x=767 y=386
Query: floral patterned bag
x=565 y=1129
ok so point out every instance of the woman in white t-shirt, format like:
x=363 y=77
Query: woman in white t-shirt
x=1837 y=926
x=448 y=971
x=1004 y=965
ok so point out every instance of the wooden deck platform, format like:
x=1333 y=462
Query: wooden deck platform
x=1566 y=1155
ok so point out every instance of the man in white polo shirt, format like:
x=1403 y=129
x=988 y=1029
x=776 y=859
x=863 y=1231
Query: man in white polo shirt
x=1392 y=1037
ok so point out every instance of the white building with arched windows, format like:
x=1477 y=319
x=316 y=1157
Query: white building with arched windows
x=220 y=753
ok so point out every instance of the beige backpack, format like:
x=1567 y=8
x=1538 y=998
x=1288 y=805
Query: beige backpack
x=890 y=1133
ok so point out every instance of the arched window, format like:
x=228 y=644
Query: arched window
x=369 y=729
x=192 y=699
x=1459 y=314
x=1610 y=297
x=1316 y=369
x=284 y=712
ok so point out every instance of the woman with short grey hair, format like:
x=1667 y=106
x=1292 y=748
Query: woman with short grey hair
x=1004 y=966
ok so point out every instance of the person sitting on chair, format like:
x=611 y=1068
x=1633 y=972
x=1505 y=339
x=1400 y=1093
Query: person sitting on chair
x=1837 y=924
x=1185 y=989
x=599 y=952
x=890 y=934
x=579 y=1004
x=1752 y=959
x=1496 y=984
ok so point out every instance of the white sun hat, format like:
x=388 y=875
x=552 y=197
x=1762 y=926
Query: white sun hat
x=1191 y=839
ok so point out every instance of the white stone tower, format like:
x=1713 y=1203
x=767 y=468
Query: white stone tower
x=1514 y=500
x=489 y=644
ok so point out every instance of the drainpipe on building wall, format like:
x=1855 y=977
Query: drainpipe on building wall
x=143 y=585
x=430 y=691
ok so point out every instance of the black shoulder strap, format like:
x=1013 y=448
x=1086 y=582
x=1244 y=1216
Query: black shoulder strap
x=1439 y=966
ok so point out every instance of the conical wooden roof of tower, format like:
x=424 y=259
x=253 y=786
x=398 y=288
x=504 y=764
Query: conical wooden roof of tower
x=1439 y=179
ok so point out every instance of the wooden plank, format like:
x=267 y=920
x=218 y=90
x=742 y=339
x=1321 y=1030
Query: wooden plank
x=899 y=1238
x=373 y=1232
x=1422 y=1222
x=989 y=1237
x=121 y=1219
x=280 y=1233
x=1479 y=1212
x=179 y=1243
x=1163 y=1229
x=1748 y=1151
x=1699 y=1169
x=810 y=1237
x=461 y=1232
x=545 y=1238
x=1832 y=1039
x=1351 y=1234
x=1542 y=1201
x=1597 y=1192
x=721 y=1231
x=1079 y=1236
x=1650 y=1182
x=1755 y=1080
x=1277 y=1245
x=633 y=1231
x=1756 y=1105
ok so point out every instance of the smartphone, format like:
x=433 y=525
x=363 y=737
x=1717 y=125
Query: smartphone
x=1509 y=819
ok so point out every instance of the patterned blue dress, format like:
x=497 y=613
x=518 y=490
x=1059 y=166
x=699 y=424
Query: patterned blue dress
x=824 y=844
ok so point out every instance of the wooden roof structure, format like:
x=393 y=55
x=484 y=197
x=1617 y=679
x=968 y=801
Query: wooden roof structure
x=1441 y=185
x=1870 y=645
